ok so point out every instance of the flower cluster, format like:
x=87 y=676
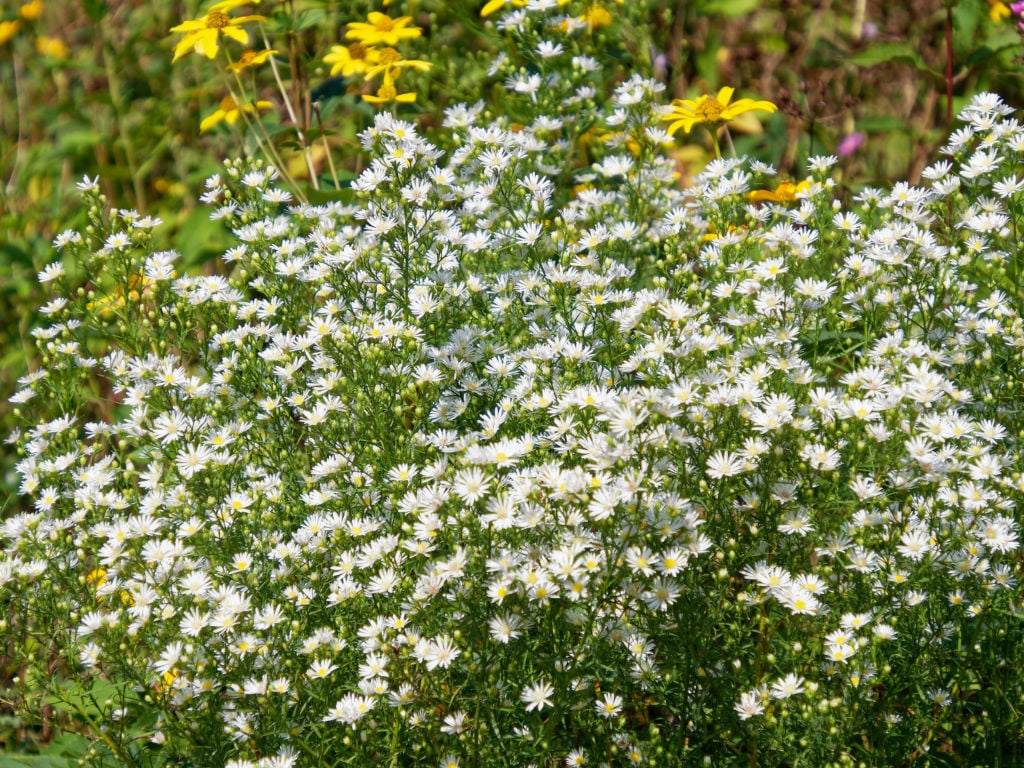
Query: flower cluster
x=28 y=15
x=516 y=461
x=362 y=58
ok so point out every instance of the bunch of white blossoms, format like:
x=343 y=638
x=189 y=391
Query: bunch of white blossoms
x=504 y=464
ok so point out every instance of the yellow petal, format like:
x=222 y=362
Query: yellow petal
x=237 y=34
x=189 y=26
x=211 y=121
x=724 y=94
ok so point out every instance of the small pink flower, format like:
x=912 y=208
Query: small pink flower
x=850 y=144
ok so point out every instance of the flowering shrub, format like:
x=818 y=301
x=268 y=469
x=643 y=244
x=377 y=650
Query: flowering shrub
x=507 y=462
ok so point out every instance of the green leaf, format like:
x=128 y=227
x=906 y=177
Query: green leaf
x=309 y=18
x=36 y=761
x=966 y=17
x=330 y=195
x=199 y=239
x=95 y=9
x=729 y=8
x=73 y=141
x=993 y=46
x=883 y=53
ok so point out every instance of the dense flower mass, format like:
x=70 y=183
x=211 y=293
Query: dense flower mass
x=500 y=463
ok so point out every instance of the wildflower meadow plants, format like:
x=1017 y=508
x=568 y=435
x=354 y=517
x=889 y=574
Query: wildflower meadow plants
x=509 y=460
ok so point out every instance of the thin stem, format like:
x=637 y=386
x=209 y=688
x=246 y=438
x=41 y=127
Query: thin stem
x=291 y=114
x=327 y=147
x=266 y=144
x=114 y=89
x=728 y=140
x=714 y=141
x=19 y=113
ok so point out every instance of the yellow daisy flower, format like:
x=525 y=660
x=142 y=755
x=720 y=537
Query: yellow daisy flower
x=351 y=60
x=390 y=60
x=51 y=46
x=382 y=29
x=998 y=11
x=250 y=59
x=711 y=110
x=31 y=11
x=596 y=16
x=388 y=93
x=8 y=29
x=229 y=111
x=202 y=35
x=786 y=192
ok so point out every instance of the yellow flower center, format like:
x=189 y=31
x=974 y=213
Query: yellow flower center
x=708 y=109
x=384 y=24
x=389 y=56
x=217 y=20
x=248 y=57
x=387 y=91
x=358 y=51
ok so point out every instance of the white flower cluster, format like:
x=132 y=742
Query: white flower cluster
x=482 y=455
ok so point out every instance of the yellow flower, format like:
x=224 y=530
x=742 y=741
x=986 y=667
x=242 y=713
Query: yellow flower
x=51 y=46
x=390 y=60
x=711 y=110
x=382 y=29
x=998 y=11
x=250 y=59
x=786 y=192
x=595 y=17
x=351 y=60
x=31 y=11
x=388 y=93
x=229 y=111
x=496 y=5
x=97 y=577
x=105 y=306
x=202 y=35
x=163 y=685
x=8 y=29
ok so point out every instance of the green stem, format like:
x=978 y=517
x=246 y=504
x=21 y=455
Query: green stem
x=113 y=86
x=714 y=141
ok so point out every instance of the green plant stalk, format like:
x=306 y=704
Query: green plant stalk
x=138 y=188
x=291 y=111
x=327 y=147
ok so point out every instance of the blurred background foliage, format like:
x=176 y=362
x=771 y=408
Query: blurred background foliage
x=88 y=88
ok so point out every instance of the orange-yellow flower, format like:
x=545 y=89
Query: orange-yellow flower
x=351 y=60
x=202 y=35
x=382 y=29
x=229 y=111
x=388 y=93
x=8 y=29
x=711 y=110
x=250 y=59
x=51 y=46
x=31 y=11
